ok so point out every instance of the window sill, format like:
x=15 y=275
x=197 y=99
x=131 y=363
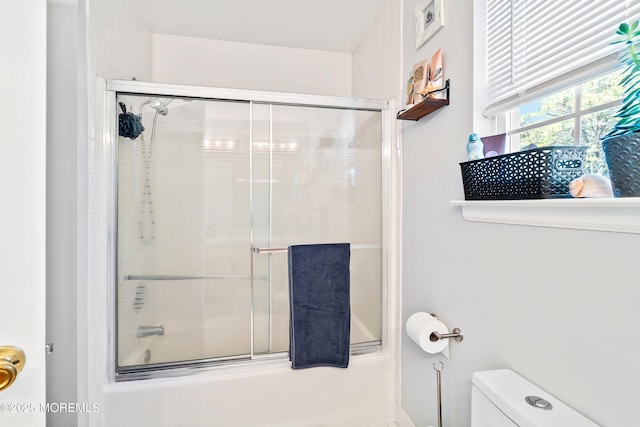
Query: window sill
x=620 y=215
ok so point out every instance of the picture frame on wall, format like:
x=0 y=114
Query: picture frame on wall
x=429 y=20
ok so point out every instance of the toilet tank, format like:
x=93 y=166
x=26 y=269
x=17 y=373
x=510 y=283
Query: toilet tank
x=498 y=399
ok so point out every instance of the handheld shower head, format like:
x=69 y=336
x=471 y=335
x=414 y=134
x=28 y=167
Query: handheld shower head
x=160 y=106
x=157 y=104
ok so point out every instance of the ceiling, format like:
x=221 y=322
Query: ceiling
x=333 y=25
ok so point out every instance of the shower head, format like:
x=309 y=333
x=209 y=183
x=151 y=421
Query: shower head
x=157 y=104
x=160 y=106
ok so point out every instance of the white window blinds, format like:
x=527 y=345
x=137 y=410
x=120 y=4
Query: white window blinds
x=535 y=47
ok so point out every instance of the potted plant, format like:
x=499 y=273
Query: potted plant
x=622 y=145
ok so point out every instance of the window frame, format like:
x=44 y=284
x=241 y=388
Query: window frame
x=510 y=121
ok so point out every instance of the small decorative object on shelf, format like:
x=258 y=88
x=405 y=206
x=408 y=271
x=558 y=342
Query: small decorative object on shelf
x=428 y=105
x=540 y=173
x=420 y=80
x=475 y=147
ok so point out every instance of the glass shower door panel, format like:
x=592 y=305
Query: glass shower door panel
x=326 y=187
x=183 y=236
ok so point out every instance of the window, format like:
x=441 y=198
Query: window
x=580 y=115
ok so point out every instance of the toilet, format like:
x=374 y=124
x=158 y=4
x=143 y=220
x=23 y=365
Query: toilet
x=502 y=398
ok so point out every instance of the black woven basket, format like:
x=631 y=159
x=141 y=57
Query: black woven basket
x=540 y=173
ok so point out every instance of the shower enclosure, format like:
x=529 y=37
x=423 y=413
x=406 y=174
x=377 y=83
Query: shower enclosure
x=206 y=200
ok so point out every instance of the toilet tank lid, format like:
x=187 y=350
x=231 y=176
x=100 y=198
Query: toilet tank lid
x=507 y=390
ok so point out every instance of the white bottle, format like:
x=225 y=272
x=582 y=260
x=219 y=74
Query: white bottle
x=475 y=147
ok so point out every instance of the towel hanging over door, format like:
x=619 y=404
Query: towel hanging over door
x=320 y=310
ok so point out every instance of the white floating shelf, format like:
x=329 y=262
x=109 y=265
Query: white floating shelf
x=620 y=215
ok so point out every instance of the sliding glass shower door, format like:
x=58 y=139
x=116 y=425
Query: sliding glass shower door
x=209 y=196
x=184 y=229
x=317 y=179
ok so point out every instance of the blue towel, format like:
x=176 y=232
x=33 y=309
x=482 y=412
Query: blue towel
x=320 y=310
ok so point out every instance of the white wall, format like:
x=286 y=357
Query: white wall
x=62 y=127
x=557 y=306
x=377 y=59
x=215 y=63
x=119 y=41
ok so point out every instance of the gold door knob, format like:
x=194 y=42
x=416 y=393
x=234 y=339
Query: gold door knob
x=11 y=363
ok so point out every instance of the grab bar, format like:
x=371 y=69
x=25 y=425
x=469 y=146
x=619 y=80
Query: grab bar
x=177 y=277
x=269 y=250
x=275 y=250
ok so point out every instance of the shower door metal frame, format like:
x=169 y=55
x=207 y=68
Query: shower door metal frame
x=252 y=362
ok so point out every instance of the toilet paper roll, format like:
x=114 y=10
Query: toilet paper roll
x=420 y=326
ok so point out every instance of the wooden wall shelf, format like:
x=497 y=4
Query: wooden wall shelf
x=427 y=106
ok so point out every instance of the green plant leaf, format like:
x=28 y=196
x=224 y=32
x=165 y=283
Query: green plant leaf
x=630 y=86
x=633 y=87
x=628 y=116
x=631 y=112
x=623 y=121
x=627 y=79
x=630 y=99
x=630 y=82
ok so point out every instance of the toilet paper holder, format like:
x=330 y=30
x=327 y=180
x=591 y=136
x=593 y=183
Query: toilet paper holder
x=456 y=334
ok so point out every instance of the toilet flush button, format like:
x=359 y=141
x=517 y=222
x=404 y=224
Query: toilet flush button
x=539 y=402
